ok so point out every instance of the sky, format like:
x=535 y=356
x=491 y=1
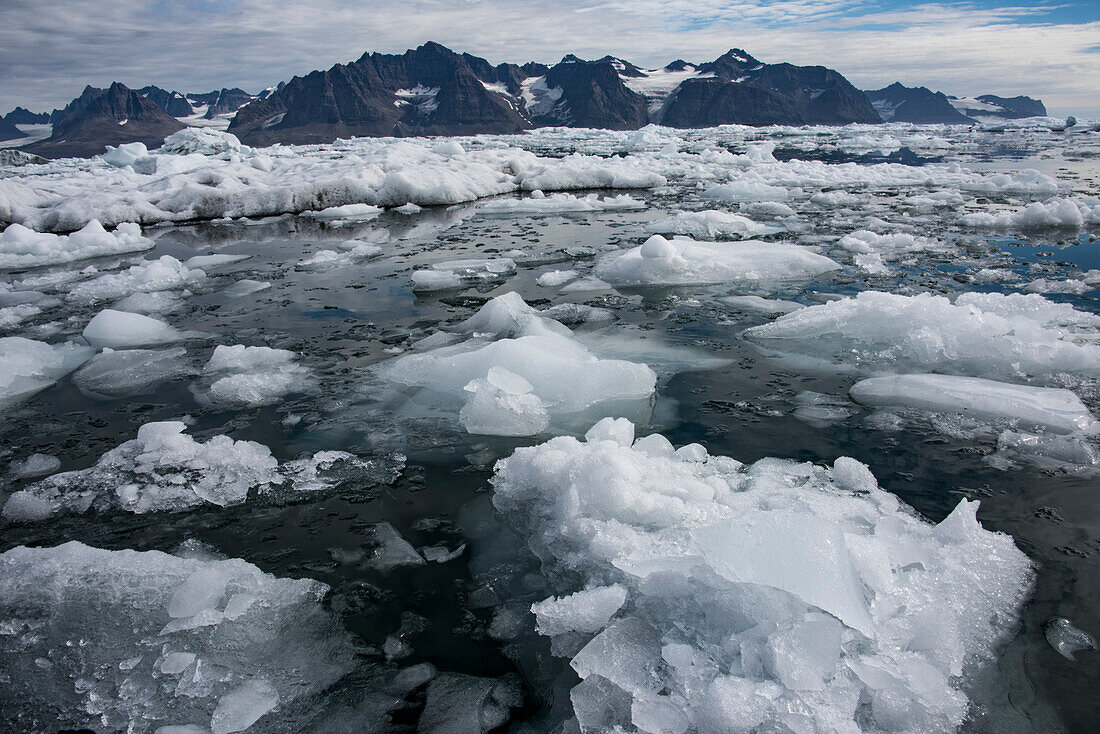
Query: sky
x=49 y=49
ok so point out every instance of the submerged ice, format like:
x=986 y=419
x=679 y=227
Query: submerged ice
x=729 y=598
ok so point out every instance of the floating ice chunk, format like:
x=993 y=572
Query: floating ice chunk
x=246 y=287
x=747 y=190
x=1047 y=451
x=766 y=306
x=462 y=274
x=202 y=140
x=503 y=404
x=351 y=252
x=709 y=224
x=1051 y=214
x=1066 y=639
x=164 y=469
x=157 y=302
x=282 y=648
x=165 y=273
x=15 y=315
x=125 y=155
x=558 y=204
x=254 y=376
x=508 y=315
x=1053 y=409
x=28 y=367
x=21 y=247
x=357 y=212
x=588 y=172
x=683 y=261
x=981 y=334
x=35 y=465
x=586 y=611
x=820 y=410
x=887 y=245
x=216 y=260
x=757 y=592
x=120 y=329
x=388 y=550
x=110 y=374
x=556 y=278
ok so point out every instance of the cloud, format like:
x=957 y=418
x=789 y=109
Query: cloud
x=51 y=50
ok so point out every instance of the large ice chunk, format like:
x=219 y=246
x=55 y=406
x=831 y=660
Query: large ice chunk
x=110 y=374
x=254 y=376
x=1052 y=409
x=539 y=203
x=120 y=329
x=165 y=273
x=980 y=334
x=163 y=640
x=28 y=367
x=709 y=224
x=777 y=596
x=682 y=261
x=164 y=469
x=21 y=247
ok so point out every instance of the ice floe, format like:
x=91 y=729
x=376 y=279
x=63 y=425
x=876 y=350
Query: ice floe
x=166 y=470
x=21 y=247
x=726 y=624
x=710 y=224
x=121 y=329
x=254 y=376
x=683 y=261
x=27 y=367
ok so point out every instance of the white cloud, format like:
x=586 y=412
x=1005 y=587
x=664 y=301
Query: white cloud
x=50 y=50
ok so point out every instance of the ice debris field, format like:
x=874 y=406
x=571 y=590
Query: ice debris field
x=785 y=430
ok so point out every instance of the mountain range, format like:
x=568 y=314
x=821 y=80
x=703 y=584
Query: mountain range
x=432 y=90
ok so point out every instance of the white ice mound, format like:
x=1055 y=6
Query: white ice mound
x=522 y=369
x=201 y=140
x=255 y=376
x=539 y=203
x=682 y=261
x=28 y=367
x=164 y=640
x=709 y=224
x=980 y=334
x=164 y=469
x=1056 y=410
x=1051 y=214
x=21 y=247
x=149 y=276
x=777 y=596
x=120 y=329
x=462 y=273
x=588 y=172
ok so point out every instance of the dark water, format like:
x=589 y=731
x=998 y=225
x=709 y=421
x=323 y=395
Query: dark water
x=344 y=320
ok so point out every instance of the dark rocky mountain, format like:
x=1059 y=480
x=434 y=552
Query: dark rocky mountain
x=174 y=103
x=898 y=103
x=580 y=93
x=990 y=106
x=426 y=91
x=23 y=116
x=736 y=88
x=77 y=105
x=225 y=101
x=8 y=130
x=117 y=115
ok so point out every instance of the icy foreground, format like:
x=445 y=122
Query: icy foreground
x=776 y=596
x=126 y=640
x=164 y=469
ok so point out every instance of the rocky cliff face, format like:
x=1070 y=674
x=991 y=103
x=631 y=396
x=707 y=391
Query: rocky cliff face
x=174 y=103
x=23 y=116
x=8 y=130
x=117 y=115
x=427 y=91
x=586 y=94
x=77 y=105
x=225 y=101
x=992 y=107
x=898 y=103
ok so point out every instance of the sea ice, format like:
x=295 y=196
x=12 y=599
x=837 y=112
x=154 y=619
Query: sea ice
x=1056 y=410
x=121 y=329
x=21 y=247
x=725 y=623
x=164 y=640
x=710 y=224
x=110 y=374
x=539 y=203
x=162 y=274
x=28 y=367
x=682 y=261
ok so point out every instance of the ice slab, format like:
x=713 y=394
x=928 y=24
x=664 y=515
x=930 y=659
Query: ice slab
x=980 y=334
x=254 y=376
x=1057 y=410
x=28 y=367
x=682 y=261
x=21 y=247
x=754 y=592
x=164 y=469
x=116 y=374
x=710 y=224
x=120 y=329
x=165 y=273
x=164 y=640
x=539 y=203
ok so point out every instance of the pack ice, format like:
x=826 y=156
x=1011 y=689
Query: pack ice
x=164 y=469
x=517 y=373
x=718 y=597
x=683 y=261
x=21 y=247
x=27 y=367
x=135 y=641
x=979 y=334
